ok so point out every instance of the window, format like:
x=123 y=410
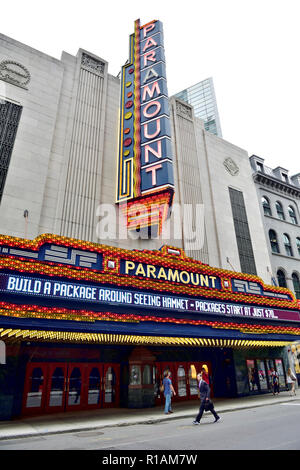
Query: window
x=273 y=241
x=292 y=215
x=266 y=205
x=296 y=284
x=260 y=167
x=285 y=177
x=147 y=375
x=287 y=244
x=242 y=232
x=279 y=210
x=281 y=278
x=298 y=245
x=9 y=120
x=181 y=381
x=135 y=375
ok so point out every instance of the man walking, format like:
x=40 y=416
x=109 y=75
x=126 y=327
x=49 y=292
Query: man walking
x=168 y=390
x=205 y=401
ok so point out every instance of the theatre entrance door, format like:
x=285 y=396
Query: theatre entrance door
x=56 y=387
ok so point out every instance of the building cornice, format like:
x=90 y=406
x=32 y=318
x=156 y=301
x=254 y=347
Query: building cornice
x=275 y=183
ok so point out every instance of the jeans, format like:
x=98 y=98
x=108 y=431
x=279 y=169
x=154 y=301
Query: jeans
x=168 y=403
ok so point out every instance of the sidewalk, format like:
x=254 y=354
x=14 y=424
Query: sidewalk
x=97 y=419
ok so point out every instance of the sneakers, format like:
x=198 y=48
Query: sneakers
x=217 y=419
x=196 y=422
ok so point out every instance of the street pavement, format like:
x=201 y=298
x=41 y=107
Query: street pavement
x=97 y=419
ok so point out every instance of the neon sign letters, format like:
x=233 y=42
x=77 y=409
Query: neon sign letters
x=145 y=170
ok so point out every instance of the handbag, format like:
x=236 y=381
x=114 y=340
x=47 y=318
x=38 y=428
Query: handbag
x=208 y=405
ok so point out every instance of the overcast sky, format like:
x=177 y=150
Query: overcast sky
x=250 y=48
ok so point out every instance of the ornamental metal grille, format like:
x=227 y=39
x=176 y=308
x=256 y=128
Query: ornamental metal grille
x=9 y=120
x=242 y=232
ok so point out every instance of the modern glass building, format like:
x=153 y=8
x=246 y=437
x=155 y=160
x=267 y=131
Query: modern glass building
x=202 y=97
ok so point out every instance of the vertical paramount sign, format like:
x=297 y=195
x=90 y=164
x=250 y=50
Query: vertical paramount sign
x=145 y=184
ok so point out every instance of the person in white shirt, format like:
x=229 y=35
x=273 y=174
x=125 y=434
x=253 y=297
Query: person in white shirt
x=291 y=380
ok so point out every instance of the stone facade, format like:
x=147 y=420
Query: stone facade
x=64 y=160
x=278 y=187
x=29 y=166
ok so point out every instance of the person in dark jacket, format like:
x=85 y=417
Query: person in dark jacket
x=204 y=390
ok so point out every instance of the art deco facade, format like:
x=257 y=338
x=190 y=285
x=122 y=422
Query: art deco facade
x=63 y=157
x=59 y=128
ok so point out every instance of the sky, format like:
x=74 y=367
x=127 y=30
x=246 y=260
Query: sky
x=249 y=48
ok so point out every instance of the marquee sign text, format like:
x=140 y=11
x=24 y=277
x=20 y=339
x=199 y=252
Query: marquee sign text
x=93 y=295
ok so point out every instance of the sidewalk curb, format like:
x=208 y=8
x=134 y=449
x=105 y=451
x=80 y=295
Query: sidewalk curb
x=138 y=422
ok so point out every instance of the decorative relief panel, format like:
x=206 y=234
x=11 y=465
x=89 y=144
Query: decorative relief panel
x=92 y=65
x=184 y=110
x=14 y=73
x=231 y=166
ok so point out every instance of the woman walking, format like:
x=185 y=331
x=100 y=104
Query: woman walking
x=291 y=380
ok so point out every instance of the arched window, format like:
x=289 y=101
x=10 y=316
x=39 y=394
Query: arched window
x=273 y=241
x=292 y=215
x=287 y=244
x=279 y=210
x=281 y=278
x=266 y=205
x=298 y=245
x=296 y=284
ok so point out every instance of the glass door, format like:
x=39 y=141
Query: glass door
x=182 y=378
x=93 y=382
x=35 y=388
x=159 y=395
x=193 y=386
x=270 y=366
x=262 y=375
x=57 y=381
x=252 y=375
x=280 y=371
x=193 y=382
x=75 y=385
x=111 y=385
x=55 y=387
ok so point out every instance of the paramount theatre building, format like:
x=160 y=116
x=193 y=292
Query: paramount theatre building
x=131 y=244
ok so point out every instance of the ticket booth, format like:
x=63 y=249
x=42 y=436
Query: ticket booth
x=141 y=379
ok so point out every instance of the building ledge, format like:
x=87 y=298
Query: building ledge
x=283 y=221
x=273 y=182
